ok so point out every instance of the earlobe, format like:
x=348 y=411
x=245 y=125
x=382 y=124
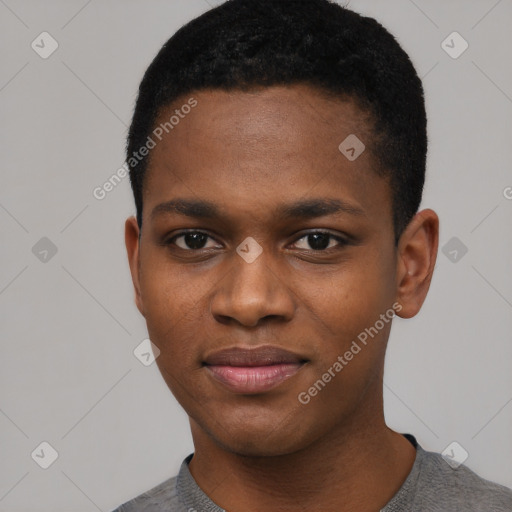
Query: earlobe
x=132 y=242
x=417 y=253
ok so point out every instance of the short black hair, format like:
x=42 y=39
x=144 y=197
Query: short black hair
x=245 y=44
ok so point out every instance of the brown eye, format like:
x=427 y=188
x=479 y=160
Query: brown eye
x=320 y=241
x=191 y=241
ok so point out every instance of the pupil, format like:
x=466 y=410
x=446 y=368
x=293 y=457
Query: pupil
x=318 y=241
x=195 y=240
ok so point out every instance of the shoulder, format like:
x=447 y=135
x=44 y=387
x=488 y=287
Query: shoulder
x=459 y=487
x=163 y=495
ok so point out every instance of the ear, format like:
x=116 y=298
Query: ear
x=417 y=253
x=132 y=242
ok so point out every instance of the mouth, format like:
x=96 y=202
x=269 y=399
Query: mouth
x=253 y=371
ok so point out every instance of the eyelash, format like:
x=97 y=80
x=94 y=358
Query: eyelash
x=341 y=241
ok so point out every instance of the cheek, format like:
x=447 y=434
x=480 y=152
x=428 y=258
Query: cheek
x=346 y=300
x=173 y=311
x=350 y=344
x=345 y=305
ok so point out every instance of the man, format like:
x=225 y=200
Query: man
x=277 y=158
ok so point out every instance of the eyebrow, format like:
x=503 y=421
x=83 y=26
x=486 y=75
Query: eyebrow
x=188 y=208
x=303 y=209
x=312 y=208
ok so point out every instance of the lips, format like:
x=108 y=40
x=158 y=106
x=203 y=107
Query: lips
x=252 y=371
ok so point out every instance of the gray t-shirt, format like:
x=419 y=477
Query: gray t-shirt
x=432 y=486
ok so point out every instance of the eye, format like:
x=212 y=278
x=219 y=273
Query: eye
x=320 y=241
x=191 y=241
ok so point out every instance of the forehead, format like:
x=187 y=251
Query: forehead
x=267 y=144
x=266 y=115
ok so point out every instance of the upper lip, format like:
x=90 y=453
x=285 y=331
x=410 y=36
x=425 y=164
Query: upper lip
x=260 y=356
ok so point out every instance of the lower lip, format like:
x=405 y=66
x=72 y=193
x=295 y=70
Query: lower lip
x=253 y=379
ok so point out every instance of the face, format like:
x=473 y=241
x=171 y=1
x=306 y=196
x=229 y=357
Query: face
x=261 y=237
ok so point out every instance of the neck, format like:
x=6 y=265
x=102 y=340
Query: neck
x=350 y=469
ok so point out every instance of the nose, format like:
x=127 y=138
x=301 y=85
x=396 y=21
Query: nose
x=251 y=293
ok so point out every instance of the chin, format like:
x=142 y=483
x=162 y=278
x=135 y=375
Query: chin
x=261 y=438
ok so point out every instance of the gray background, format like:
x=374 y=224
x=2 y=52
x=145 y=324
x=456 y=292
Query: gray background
x=69 y=325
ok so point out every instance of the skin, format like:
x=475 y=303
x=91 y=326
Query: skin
x=250 y=153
